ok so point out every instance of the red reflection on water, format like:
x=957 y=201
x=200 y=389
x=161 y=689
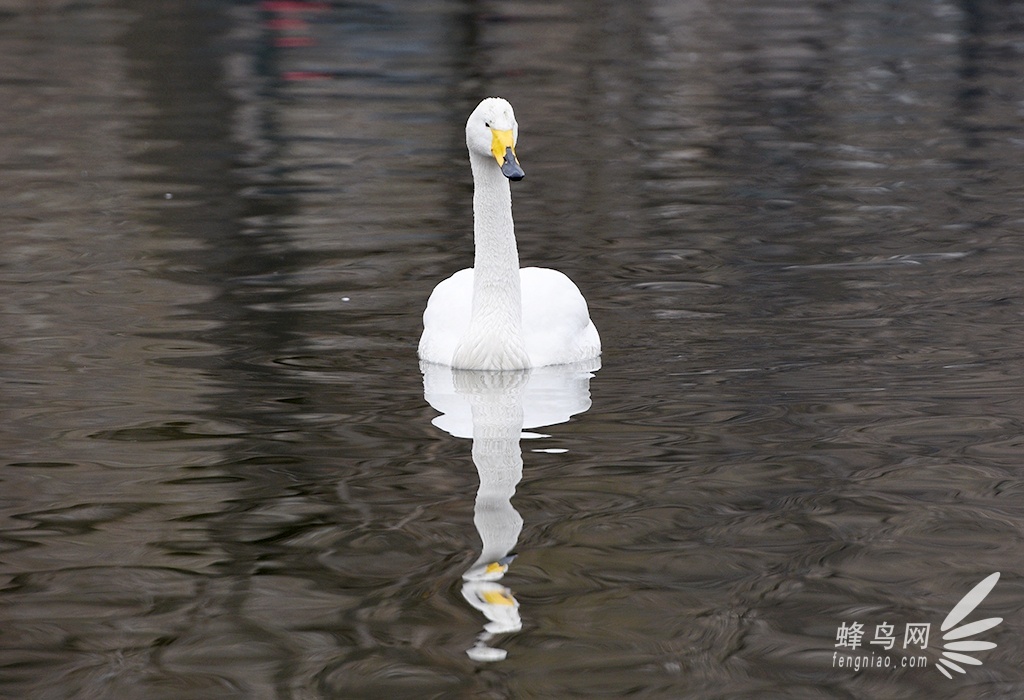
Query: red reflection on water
x=294 y=31
x=283 y=24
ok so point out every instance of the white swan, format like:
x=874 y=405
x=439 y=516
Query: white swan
x=495 y=316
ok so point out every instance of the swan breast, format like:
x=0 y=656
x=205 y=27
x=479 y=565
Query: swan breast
x=555 y=319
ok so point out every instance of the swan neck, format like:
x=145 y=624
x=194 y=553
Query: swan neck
x=497 y=298
x=494 y=338
x=493 y=229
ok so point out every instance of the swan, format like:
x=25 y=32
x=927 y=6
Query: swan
x=496 y=316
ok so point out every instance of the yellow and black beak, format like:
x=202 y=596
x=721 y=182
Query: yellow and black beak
x=504 y=151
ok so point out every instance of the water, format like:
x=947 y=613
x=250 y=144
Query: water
x=798 y=227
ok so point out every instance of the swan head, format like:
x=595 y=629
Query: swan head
x=492 y=132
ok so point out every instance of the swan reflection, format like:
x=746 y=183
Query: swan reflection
x=494 y=409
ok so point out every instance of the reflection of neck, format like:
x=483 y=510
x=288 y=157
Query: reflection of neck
x=497 y=426
x=495 y=326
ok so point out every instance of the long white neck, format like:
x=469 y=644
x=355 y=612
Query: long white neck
x=494 y=339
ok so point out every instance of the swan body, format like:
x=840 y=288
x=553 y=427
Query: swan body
x=496 y=316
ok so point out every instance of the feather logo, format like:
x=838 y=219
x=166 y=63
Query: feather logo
x=953 y=648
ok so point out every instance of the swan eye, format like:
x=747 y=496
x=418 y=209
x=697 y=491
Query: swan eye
x=487 y=124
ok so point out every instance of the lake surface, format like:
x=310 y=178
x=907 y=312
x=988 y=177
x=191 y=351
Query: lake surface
x=798 y=226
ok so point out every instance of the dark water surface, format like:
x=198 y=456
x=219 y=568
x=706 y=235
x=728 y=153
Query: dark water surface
x=798 y=225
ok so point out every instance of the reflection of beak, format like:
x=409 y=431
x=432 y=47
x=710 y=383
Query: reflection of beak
x=499 y=567
x=498 y=596
x=491 y=571
x=504 y=151
x=497 y=603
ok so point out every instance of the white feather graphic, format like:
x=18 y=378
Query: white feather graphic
x=970 y=601
x=961 y=610
x=973 y=628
